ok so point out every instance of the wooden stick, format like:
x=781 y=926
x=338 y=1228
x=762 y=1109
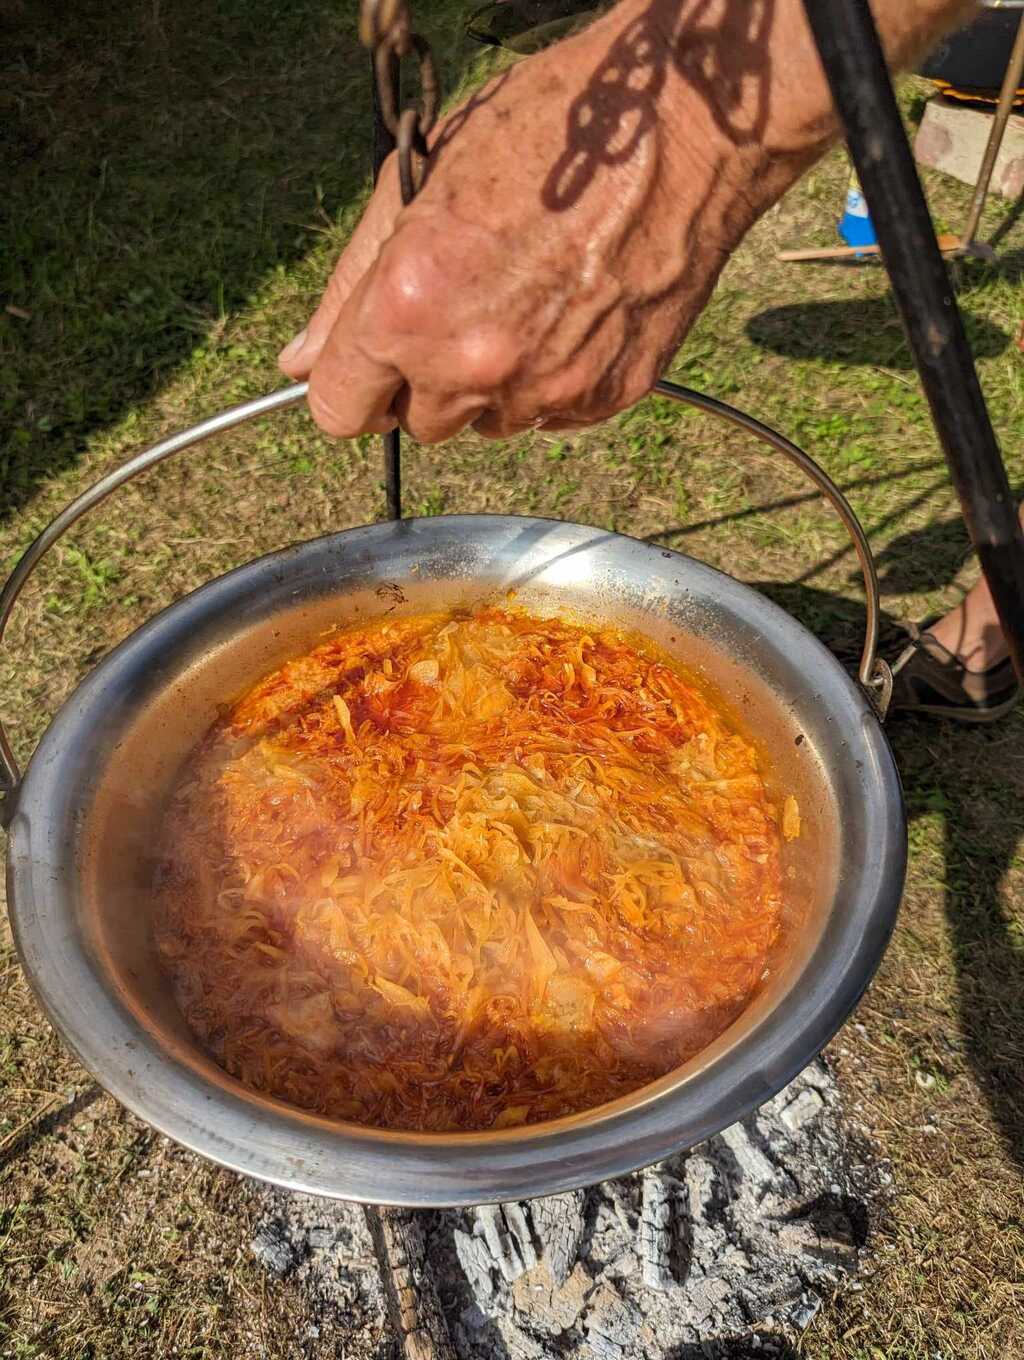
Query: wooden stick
x=946 y=243
x=412 y=1300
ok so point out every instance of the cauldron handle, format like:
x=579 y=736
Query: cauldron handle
x=874 y=673
x=10 y=775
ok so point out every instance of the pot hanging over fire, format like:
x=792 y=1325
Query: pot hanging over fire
x=81 y=822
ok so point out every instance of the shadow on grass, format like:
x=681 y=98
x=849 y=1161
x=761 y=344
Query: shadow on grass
x=50 y=1123
x=1005 y=227
x=923 y=559
x=805 y=498
x=162 y=162
x=974 y=779
x=1009 y=266
x=865 y=331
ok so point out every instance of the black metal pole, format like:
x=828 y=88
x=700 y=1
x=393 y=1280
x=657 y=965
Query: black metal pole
x=383 y=145
x=852 y=55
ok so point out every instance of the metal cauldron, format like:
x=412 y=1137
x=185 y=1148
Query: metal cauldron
x=81 y=826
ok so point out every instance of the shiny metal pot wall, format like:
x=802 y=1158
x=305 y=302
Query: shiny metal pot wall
x=83 y=818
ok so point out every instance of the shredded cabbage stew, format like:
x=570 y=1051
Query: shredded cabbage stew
x=468 y=872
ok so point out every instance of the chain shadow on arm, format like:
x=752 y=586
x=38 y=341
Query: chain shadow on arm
x=718 y=48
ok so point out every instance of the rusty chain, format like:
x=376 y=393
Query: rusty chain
x=385 y=28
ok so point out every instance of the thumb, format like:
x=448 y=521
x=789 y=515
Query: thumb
x=300 y=354
x=375 y=227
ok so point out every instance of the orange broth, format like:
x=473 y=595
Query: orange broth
x=467 y=872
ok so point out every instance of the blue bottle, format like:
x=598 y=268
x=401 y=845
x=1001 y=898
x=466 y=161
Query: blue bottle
x=855 y=226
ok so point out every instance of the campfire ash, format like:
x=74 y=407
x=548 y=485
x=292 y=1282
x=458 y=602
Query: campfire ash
x=743 y=1238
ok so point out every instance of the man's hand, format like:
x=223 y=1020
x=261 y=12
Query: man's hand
x=575 y=217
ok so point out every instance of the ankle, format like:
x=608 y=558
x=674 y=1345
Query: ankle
x=977 y=644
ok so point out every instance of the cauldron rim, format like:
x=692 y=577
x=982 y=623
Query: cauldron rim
x=270 y=1140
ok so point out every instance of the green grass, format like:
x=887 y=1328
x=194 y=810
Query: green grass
x=181 y=178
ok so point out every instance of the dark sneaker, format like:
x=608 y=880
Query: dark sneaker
x=529 y=25
x=929 y=679
x=533 y=12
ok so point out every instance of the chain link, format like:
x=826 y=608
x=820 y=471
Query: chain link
x=385 y=27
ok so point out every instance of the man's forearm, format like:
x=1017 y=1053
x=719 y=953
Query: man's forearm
x=800 y=113
x=757 y=62
x=763 y=112
x=616 y=172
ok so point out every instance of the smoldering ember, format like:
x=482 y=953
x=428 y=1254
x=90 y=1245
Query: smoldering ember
x=729 y=1249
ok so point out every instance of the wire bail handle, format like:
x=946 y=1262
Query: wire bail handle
x=875 y=675
x=385 y=28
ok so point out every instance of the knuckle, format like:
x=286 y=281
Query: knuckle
x=328 y=415
x=424 y=434
x=634 y=389
x=570 y=391
x=408 y=286
x=500 y=422
x=616 y=392
x=429 y=425
x=416 y=418
x=488 y=358
x=417 y=428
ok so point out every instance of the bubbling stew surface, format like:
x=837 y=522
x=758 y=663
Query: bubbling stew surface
x=468 y=872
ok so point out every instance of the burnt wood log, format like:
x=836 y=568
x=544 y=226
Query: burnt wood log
x=744 y=1236
x=412 y=1300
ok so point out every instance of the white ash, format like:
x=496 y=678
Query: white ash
x=324 y=1247
x=737 y=1242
